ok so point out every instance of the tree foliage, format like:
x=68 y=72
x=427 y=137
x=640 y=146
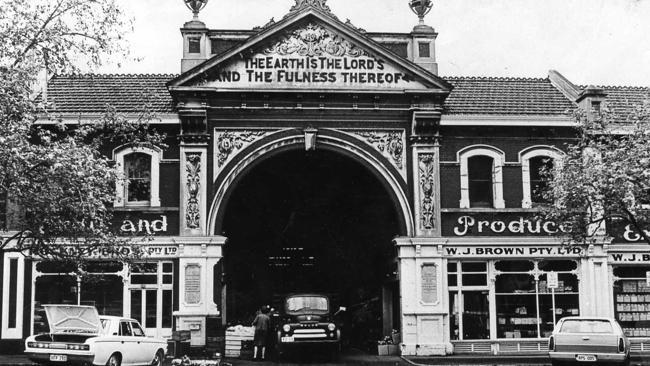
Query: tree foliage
x=60 y=187
x=603 y=182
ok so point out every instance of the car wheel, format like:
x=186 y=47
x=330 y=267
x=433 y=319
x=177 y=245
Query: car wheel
x=114 y=360
x=158 y=359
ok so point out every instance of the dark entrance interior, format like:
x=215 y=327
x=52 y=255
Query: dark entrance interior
x=314 y=221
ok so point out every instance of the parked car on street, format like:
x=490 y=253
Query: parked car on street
x=588 y=340
x=307 y=319
x=79 y=335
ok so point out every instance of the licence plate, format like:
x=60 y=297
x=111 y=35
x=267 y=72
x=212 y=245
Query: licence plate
x=586 y=358
x=59 y=358
x=286 y=339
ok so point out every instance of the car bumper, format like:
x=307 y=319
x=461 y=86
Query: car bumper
x=72 y=359
x=600 y=357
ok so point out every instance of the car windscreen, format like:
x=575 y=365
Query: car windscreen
x=586 y=326
x=307 y=304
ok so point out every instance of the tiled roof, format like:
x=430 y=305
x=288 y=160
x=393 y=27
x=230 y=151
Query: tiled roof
x=92 y=93
x=514 y=96
x=622 y=100
x=471 y=95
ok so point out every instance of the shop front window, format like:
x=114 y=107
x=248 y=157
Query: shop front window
x=632 y=300
x=526 y=307
x=468 y=300
x=56 y=283
x=104 y=293
x=50 y=290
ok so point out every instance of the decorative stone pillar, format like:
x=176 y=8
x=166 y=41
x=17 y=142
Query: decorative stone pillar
x=424 y=297
x=426 y=172
x=198 y=258
x=193 y=190
x=193 y=170
x=422 y=266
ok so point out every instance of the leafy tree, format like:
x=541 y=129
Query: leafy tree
x=603 y=182
x=59 y=186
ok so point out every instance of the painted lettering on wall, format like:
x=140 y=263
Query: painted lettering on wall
x=533 y=251
x=142 y=226
x=632 y=235
x=469 y=225
x=146 y=251
x=629 y=257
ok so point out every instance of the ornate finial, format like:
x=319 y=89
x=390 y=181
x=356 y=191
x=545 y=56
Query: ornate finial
x=195 y=6
x=318 y=4
x=421 y=8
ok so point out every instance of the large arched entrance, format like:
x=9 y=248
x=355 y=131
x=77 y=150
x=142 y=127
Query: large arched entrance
x=316 y=221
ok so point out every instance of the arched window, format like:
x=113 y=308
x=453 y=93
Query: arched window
x=481 y=177
x=140 y=167
x=533 y=162
x=479 y=170
x=538 y=181
x=137 y=171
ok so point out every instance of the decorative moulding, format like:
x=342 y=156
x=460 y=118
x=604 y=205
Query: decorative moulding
x=389 y=143
x=314 y=40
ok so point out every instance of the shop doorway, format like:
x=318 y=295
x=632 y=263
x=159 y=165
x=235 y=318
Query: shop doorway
x=151 y=296
x=315 y=221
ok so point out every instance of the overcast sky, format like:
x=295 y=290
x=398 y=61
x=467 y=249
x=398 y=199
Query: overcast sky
x=603 y=42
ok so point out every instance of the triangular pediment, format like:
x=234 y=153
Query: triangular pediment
x=309 y=50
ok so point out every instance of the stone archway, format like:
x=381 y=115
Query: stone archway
x=376 y=251
x=325 y=139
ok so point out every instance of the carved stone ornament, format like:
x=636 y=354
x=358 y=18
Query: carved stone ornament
x=318 y=4
x=231 y=141
x=390 y=142
x=193 y=169
x=426 y=167
x=314 y=40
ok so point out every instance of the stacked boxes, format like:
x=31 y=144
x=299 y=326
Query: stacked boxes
x=234 y=338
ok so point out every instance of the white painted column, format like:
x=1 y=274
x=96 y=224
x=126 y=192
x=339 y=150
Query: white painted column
x=197 y=258
x=15 y=332
x=424 y=297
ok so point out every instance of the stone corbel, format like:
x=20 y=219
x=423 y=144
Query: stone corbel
x=194 y=123
x=425 y=126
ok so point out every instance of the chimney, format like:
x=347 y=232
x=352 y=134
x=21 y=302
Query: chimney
x=196 y=43
x=423 y=38
x=591 y=101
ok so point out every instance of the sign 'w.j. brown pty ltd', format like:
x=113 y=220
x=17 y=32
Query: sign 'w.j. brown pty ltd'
x=309 y=57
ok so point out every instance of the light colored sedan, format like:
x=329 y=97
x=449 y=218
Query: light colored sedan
x=78 y=335
x=588 y=340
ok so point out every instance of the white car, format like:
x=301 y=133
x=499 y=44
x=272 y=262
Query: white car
x=79 y=335
x=593 y=340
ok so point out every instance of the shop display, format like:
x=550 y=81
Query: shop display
x=632 y=307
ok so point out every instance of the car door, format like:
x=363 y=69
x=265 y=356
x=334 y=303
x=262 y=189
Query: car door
x=128 y=345
x=146 y=346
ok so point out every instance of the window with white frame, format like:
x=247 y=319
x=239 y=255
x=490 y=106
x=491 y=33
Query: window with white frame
x=141 y=172
x=534 y=161
x=481 y=177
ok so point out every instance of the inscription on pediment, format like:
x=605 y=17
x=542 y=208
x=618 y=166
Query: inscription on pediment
x=311 y=56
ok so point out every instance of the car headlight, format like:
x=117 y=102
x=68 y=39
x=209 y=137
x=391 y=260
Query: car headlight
x=286 y=328
x=331 y=327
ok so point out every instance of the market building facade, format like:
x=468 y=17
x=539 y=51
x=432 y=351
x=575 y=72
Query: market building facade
x=311 y=155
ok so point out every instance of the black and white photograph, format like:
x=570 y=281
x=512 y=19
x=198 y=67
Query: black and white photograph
x=324 y=182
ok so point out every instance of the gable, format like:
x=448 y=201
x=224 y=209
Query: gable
x=309 y=53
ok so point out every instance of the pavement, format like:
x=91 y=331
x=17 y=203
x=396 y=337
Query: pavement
x=363 y=359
